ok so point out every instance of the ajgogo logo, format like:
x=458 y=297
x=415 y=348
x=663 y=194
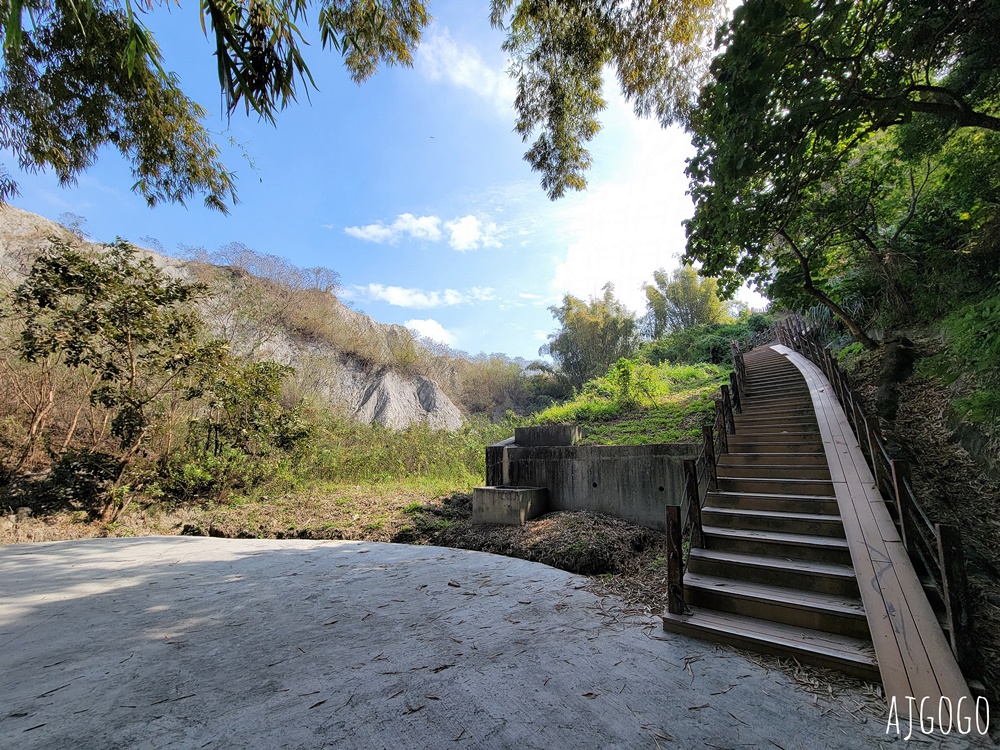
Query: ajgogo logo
x=962 y=723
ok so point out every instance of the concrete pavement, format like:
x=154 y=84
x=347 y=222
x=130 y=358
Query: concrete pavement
x=176 y=642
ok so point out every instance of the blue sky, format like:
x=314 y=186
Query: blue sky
x=412 y=186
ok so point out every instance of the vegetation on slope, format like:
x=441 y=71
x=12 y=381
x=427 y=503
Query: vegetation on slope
x=637 y=403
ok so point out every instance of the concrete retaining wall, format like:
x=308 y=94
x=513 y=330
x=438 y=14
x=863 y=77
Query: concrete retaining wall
x=634 y=482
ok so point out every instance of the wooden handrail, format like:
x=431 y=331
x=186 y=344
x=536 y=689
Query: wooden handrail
x=676 y=521
x=694 y=503
x=675 y=561
x=727 y=407
x=932 y=547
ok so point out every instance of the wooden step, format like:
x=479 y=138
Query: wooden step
x=807 y=609
x=768 y=501
x=792 y=399
x=775 y=486
x=774 y=471
x=849 y=655
x=747 y=444
x=788 y=436
x=778 y=544
x=775 y=428
x=775 y=382
x=815 y=524
x=807 y=575
x=754 y=410
x=776 y=367
x=804 y=416
x=785 y=459
x=777 y=388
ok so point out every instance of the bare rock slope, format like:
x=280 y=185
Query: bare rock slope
x=369 y=392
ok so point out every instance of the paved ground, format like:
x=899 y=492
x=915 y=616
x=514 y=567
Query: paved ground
x=173 y=642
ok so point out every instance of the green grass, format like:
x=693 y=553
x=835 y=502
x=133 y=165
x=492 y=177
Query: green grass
x=665 y=404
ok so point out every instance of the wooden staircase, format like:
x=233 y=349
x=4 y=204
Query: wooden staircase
x=775 y=573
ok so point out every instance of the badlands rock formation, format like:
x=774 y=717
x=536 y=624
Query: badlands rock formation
x=369 y=392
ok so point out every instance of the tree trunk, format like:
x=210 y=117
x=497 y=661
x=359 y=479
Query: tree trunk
x=856 y=331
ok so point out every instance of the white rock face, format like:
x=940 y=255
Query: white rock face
x=370 y=393
x=391 y=399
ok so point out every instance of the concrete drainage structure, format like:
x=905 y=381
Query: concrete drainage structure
x=512 y=506
x=633 y=482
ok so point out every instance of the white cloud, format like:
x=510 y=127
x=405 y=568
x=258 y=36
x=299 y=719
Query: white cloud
x=372 y=233
x=527 y=295
x=421 y=228
x=419 y=299
x=431 y=329
x=416 y=227
x=441 y=58
x=464 y=233
x=469 y=233
x=482 y=293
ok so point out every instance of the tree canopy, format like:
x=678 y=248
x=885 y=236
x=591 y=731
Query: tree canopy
x=78 y=76
x=659 y=52
x=681 y=300
x=783 y=171
x=593 y=335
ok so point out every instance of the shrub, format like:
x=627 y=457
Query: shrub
x=973 y=335
x=82 y=477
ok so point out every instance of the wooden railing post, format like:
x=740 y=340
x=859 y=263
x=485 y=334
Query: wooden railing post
x=898 y=469
x=865 y=439
x=734 y=385
x=727 y=407
x=709 y=440
x=874 y=438
x=675 y=561
x=951 y=558
x=720 y=424
x=694 y=503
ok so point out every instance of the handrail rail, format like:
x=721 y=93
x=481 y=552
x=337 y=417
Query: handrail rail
x=714 y=443
x=934 y=548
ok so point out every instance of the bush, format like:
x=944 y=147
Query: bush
x=82 y=477
x=188 y=476
x=973 y=337
x=346 y=451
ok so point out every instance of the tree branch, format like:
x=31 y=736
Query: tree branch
x=832 y=306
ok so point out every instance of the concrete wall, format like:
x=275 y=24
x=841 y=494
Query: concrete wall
x=634 y=482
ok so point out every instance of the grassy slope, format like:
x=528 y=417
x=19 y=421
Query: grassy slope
x=669 y=405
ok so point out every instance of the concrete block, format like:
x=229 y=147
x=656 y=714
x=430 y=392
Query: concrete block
x=512 y=506
x=548 y=434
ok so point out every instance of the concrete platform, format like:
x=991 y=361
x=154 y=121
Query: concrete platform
x=173 y=642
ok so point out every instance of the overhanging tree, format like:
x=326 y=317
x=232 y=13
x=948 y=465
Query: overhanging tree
x=798 y=88
x=658 y=50
x=79 y=76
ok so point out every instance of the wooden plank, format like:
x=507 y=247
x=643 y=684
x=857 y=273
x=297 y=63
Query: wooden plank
x=914 y=657
x=792 y=638
x=675 y=561
x=797 y=598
